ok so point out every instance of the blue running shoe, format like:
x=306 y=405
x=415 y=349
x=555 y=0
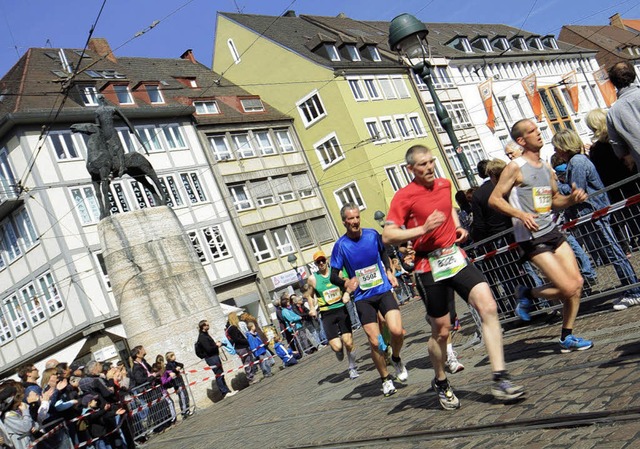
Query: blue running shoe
x=382 y=346
x=572 y=343
x=524 y=304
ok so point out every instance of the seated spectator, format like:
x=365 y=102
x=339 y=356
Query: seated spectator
x=288 y=356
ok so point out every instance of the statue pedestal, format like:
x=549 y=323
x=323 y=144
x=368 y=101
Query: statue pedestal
x=160 y=286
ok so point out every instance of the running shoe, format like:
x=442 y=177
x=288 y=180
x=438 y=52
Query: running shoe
x=524 y=304
x=382 y=346
x=401 y=371
x=504 y=390
x=625 y=302
x=452 y=365
x=340 y=354
x=231 y=393
x=446 y=396
x=388 y=388
x=572 y=343
x=353 y=374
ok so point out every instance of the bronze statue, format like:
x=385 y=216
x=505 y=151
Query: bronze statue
x=104 y=159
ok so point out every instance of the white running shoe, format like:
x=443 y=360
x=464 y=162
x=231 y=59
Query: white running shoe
x=388 y=388
x=452 y=365
x=401 y=371
x=625 y=302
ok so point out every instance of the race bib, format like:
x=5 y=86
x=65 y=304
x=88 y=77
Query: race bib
x=542 y=199
x=369 y=277
x=332 y=295
x=446 y=262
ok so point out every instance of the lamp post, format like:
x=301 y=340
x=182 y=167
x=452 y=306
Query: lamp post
x=407 y=36
x=293 y=260
x=379 y=217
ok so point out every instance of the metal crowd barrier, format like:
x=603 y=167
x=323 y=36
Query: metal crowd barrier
x=609 y=275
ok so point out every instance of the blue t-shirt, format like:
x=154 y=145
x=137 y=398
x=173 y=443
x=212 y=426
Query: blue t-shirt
x=361 y=258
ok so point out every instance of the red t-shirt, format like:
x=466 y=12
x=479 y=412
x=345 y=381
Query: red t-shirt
x=412 y=205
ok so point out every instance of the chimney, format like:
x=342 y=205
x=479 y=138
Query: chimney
x=188 y=55
x=616 y=21
x=342 y=16
x=290 y=13
x=101 y=46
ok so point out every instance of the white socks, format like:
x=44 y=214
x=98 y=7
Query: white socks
x=449 y=349
x=351 y=356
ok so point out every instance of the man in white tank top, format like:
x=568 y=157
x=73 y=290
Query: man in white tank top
x=530 y=186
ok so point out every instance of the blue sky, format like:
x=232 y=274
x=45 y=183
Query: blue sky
x=190 y=23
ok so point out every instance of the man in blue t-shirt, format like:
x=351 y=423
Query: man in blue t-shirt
x=371 y=279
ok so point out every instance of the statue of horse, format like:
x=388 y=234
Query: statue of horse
x=101 y=165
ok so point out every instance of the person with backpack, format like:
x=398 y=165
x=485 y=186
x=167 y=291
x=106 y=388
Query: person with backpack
x=208 y=349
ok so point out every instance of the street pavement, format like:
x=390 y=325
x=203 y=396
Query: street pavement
x=585 y=399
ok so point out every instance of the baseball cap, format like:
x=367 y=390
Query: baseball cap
x=561 y=168
x=319 y=255
x=88 y=398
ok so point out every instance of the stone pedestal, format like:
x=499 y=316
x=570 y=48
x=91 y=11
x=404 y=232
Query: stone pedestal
x=160 y=286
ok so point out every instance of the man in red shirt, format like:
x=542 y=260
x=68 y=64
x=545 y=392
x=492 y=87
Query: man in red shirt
x=423 y=213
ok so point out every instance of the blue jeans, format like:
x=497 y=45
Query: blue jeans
x=216 y=364
x=599 y=239
x=586 y=269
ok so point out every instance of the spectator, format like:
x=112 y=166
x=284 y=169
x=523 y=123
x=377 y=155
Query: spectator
x=178 y=383
x=287 y=355
x=465 y=212
x=241 y=345
x=18 y=423
x=209 y=350
x=259 y=351
x=624 y=114
x=99 y=420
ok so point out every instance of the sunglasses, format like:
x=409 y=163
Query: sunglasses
x=321 y=261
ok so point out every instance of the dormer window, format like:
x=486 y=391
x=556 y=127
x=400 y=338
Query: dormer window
x=550 y=42
x=123 y=94
x=535 y=42
x=89 y=95
x=332 y=52
x=93 y=74
x=110 y=74
x=352 y=51
x=482 y=44
x=206 y=107
x=252 y=105
x=155 y=96
x=371 y=52
x=519 y=43
x=501 y=43
x=461 y=43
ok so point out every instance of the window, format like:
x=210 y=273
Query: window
x=243 y=145
x=123 y=94
x=406 y=174
x=356 y=89
x=215 y=242
x=197 y=246
x=390 y=132
x=546 y=135
x=416 y=125
x=264 y=143
x=117 y=199
x=332 y=53
x=372 y=88
x=311 y=109
x=321 y=229
x=284 y=188
x=550 y=42
x=419 y=81
x=394 y=178
x=192 y=185
x=400 y=86
x=150 y=138
x=10 y=240
x=372 y=53
x=252 y=105
x=535 y=42
x=501 y=43
x=234 y=51
x=220 y=148
x=170 y=188
x=474 y=153
x=283 y=241
x=52 y=300
x=329 y=151
x=260 y=245
x=206 y=107
x=482 y=44
x=32 y=303
x=554 y=108
x=86 y=204
x=302 y=235
x=261 y=191
x=143 y=196
x=567 y=99
x=25 y=228
x=64 y=145
x=502 y=101
x=374 y=132
x=349 y=194
x=353 y=53
x=5 y=330
x=458 y=115
x=401 y=124
x=303 y=185
x=284 y=140
x=8 y=186
x=155 y=96
x=517 y=101
x=241 y=200
x=462 y=44
x=387 y=88
x=127 y=140
x=89 y=96
x=441 y=77
x=519 y=43
x=103 y=270
x=173 y=136
x=16 y=314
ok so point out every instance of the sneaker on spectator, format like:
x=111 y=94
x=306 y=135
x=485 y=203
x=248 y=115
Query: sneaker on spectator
x=353 y=374
x=504 y=390
x=524 y=304
x=625 y=302
x=572 y=343
x=446 y=396
x=452 y=365
x=340 y=354
x=231 y=393
x=401 y=371
x=388 y=388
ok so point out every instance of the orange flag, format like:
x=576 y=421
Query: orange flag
x=530 y=85
x=486 y=93
x=606 y=87
x=571 y=81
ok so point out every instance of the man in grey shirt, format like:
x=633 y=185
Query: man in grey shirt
x=624 y=115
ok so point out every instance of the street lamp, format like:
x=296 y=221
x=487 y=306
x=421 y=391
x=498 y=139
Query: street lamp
x=379 y=217
x=293 y=260
x=408 y=37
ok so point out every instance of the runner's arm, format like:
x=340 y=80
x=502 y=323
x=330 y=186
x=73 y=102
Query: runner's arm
x=392 y=234
x=508 y=179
